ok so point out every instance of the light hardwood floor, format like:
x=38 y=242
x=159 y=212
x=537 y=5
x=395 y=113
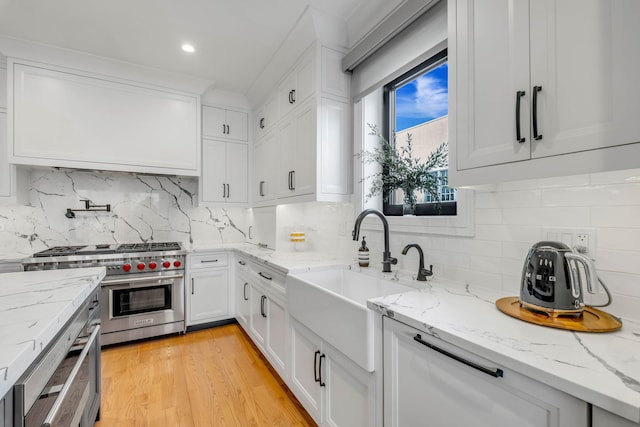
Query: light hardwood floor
x=213 y=377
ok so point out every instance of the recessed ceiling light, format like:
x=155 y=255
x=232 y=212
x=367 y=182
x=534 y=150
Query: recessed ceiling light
x=188 y=48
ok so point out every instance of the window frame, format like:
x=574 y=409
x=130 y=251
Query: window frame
x=388 y=130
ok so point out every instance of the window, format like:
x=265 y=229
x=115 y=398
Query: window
x=416 y=108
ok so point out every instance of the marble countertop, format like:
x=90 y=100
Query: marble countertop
x=599 y=368
x=286 y=262
x=34 y=306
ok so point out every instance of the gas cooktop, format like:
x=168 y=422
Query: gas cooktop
x=106 y=249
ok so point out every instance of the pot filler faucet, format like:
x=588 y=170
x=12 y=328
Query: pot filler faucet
x=387 y=259
x=422 y=272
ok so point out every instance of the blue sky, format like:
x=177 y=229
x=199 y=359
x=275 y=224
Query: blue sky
x=423 y=99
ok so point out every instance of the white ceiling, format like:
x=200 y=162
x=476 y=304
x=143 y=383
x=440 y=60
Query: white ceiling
x=234 y=39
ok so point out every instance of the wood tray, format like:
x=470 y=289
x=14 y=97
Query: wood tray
x=591 y=320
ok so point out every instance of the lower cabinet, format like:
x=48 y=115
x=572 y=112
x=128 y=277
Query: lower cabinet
x=428 y=382
x=332 y=388
x=6 y=409
x=207 y=288
x=603 y=418
x=243 y=304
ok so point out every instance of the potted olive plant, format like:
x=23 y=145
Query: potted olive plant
x=399 y=169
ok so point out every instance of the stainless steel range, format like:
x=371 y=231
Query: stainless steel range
x=142 y=294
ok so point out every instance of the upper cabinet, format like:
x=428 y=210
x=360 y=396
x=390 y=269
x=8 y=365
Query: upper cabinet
x=542 y=88
x=69 y=118
x=303 y=150
x=220 y=123
x=225 y=157
x=10 y=191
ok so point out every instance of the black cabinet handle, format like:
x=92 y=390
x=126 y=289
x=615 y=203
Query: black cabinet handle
x=293 y=180
x=223 y=129
x=244 y=292
x=494 y=373
x=261 y=274
x=241 y=262
x=316 y=377
x=192 y=287
x=293 y=96
x=322 y=384
x=261 y=188
x=536 y=136
x=519 y=95
x=262 y=123
x=228 y=191
x=224 y=191
x=228 y=130
x=262 y=310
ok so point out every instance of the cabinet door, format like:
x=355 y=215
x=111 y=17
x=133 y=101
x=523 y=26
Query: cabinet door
x=3 y=87
x=349 y=392
x=277 y=335
x=5 y=167
x=213 y=122
x=305 y=352
x=243 y=304
x=237 y=125
x=265 y=166
x=490 y=66
x=335 y=151
x=258 y=316
x=236 y=167
x=286 y=157
x=213 y=179
x=580 y=58
x=461 y=395
x=304 y=146
x=208 y=296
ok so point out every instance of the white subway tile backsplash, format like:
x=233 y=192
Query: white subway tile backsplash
x=618 y=261
x=616 y=177
x=603 y=195
x=622 y=239
x=550 y=216
x=564 y=181
x=616 y=216
x=509 y=233
x=488 y=216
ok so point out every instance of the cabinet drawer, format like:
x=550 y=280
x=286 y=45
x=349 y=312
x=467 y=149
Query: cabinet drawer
x=211 y=260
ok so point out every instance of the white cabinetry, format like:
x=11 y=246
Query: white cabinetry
x=69 y=118
x=225 y=157
x=10 y=192
x=533 y=80
x=310 y=134
x=220 y=123
x=429 y=382
x=207 y=288
x=262 y=311
x=224 y=172
x=333 y=389
x=603 y=418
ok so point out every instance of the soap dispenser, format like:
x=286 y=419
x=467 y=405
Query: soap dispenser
x=363 y=254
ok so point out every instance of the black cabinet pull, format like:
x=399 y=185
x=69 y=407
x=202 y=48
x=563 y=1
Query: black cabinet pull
x=261 y=188
x=322 y=384
x=228 y=130
x=293 y=96
x=262 y=309
x=241 y=262
x=228 y=191
x=261 y=274
x=262 y=123
x=192 y=287
x=224 y=191
x=244 y=292
x=494 y=373
x=224 y=129
x=519 y=95
x=536 y=136
x=293 y=180
x=316 y=377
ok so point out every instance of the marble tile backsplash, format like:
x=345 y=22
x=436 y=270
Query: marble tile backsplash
x=143 y=208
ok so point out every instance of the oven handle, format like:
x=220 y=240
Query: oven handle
x=122 y=281
x=72 y=376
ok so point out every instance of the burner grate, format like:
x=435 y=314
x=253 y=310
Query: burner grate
x=149 y=247
x=59 y=251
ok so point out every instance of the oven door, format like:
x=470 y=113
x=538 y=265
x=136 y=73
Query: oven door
x=141 y=301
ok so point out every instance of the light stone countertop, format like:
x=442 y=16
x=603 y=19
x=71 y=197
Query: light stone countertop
x=34 y=306
x=600 y=368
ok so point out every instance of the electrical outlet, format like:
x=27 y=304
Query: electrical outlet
x=582 y=240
